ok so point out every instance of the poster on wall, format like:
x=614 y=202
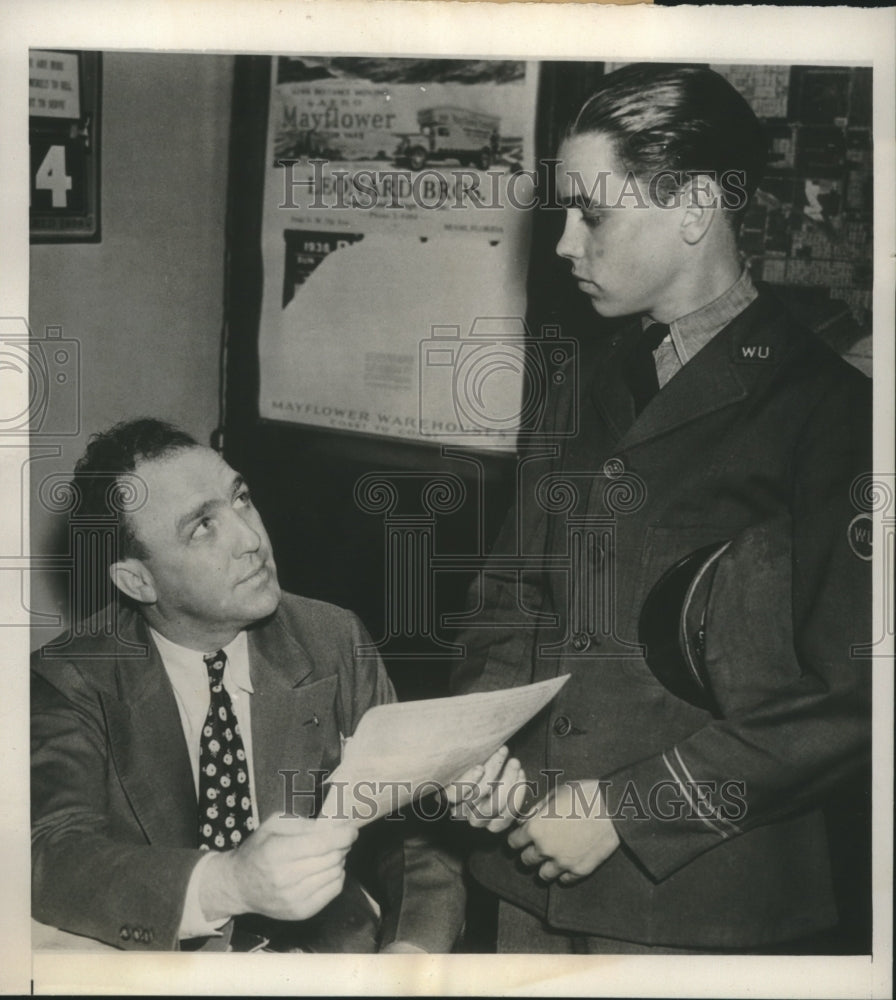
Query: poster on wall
x=395 y=240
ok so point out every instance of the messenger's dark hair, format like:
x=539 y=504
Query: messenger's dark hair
x=678 y=119
x=100 y=474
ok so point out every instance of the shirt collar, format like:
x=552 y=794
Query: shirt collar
x=694 y=331
x=183 y=664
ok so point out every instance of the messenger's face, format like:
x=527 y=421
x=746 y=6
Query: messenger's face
x=625 y=250
x=207 y=551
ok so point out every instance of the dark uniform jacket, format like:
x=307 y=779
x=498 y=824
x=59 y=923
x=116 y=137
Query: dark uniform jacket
x=114 y=814
x=723 y=839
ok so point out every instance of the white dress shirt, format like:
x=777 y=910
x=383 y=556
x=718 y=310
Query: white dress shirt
x=188 y=674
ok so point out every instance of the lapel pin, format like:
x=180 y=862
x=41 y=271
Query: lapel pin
x=313 y=720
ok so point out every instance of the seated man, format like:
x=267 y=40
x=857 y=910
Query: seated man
x=174 y=762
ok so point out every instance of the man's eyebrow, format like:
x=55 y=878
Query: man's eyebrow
x=196 y=514
x=207 y=506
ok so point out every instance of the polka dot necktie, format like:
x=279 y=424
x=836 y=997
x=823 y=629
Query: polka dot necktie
x=225 y=802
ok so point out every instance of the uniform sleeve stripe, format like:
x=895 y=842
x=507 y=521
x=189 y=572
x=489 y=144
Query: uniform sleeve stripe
x=687 y=795
x=703 y=800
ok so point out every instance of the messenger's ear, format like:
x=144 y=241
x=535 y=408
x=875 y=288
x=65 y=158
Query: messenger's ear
x=134 y=580
x=701 y=199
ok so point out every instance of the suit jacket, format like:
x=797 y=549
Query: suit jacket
x=114 y=816
x=765 y=422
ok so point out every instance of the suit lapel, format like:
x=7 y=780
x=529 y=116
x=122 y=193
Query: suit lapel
x=148 y=747
x=706 y=384
x=715 y=378
x=291 y=710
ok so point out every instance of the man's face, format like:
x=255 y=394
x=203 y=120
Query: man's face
x=627 y=259
x=207 y=551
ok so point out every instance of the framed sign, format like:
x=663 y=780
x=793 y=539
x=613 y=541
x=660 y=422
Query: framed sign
x=64 y=133
x=391 y=184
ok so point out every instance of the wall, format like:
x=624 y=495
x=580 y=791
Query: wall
x=145 y=303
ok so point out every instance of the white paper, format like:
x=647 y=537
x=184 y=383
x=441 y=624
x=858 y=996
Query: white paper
x=406 y=749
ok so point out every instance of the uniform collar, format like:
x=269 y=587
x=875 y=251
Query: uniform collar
x=692 y=332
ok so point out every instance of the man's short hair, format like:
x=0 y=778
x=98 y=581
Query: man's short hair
x=682 y=120
x=100 y=474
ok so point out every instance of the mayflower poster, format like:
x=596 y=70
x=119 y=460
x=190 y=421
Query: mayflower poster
x=395 y=239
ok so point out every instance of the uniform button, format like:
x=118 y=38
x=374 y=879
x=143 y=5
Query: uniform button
x=614 y=467
x=581 y=642
x=562 y=725
x=125 y=933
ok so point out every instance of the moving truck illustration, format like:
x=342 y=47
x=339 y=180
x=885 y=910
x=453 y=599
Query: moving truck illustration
x=451 y=133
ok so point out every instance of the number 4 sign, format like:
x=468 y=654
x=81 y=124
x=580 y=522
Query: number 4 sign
x=51 y=176
x=63 y=105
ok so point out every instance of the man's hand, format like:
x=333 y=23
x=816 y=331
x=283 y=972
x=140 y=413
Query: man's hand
x=489 y=795
x=566 y=835
x=288 y=869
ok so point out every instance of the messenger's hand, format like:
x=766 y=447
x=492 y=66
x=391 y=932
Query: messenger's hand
x=402 y=948
x=289 y=868
x=490 y=795
x=567 y=835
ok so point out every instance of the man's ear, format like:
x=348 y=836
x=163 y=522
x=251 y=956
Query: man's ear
x=702 y=201
x=134 y=580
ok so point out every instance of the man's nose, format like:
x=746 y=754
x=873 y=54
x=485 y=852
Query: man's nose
x=246 y=537
x=569 y=246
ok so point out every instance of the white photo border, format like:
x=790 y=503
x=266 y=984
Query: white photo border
x=789 y=35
